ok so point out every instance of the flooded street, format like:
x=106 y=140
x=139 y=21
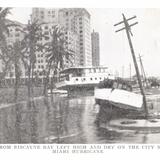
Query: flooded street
x=61 y=120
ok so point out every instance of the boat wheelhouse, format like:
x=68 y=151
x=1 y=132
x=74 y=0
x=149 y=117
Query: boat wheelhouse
x=82 y=77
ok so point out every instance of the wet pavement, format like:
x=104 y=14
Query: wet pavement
x=64 y=120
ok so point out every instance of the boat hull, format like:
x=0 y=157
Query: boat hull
x=119 y=98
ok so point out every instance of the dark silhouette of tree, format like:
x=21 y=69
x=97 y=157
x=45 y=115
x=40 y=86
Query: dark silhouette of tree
x=32 y=44
x=57 y=52
x=16 y=58
x=4 y=32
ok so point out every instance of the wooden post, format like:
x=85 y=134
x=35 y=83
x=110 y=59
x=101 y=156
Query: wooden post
x=128 y=32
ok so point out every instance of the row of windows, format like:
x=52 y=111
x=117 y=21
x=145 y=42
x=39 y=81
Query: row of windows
x=40 y=66
x=100 y=70
x=84 y=79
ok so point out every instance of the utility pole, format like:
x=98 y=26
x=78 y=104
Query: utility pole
x=127 y=27
x=142 y=69
x=130 y=72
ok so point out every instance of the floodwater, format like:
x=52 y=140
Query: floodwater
x=62 y=120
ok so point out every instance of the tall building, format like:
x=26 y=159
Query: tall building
x=71 y=39
x=78 y=21
x=51 y=17
x=95 y=49
x=45 y=15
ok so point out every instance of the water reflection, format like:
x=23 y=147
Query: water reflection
x=57 y=119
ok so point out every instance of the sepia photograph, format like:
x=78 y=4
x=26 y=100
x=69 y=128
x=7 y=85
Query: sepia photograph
x=79 y=75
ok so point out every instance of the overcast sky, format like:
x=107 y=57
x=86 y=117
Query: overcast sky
x=114 y=48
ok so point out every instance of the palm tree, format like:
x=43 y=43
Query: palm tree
x=4 y=23
x=3 y=32
x=16 y=57
x=57 y=52
x=31 y=40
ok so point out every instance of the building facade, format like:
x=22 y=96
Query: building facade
x=95 y=49
x=78 y=21
x=45 y=15
x=51 y=17
x=15 y=35
x=70 y=38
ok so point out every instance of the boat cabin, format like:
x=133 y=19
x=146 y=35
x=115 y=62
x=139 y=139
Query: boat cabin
x=115 y=84
x=84 y=73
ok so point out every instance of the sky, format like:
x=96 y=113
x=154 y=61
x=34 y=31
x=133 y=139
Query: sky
x=114 y=48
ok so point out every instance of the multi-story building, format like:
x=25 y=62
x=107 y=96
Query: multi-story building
x=95 y=49
x=72 y=42
x=14 y=35
x=78 y=21
x=48 y=15
x=50 y=18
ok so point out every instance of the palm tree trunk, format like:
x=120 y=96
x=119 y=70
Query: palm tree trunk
x=16 y=82
x=29 y=81
x=46 y=80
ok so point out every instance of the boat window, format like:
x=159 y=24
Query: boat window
x=90 y=78
x=76 y=79
x=95 y=78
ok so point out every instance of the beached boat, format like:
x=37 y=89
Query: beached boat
x=82 y=79
x=118 y=94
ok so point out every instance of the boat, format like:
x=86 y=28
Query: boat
x=118 y=94
x=82 y=79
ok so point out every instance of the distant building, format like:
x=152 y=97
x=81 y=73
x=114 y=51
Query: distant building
x=77 y=20
x=51 y=17
x=42 y=15
x=95 y=49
